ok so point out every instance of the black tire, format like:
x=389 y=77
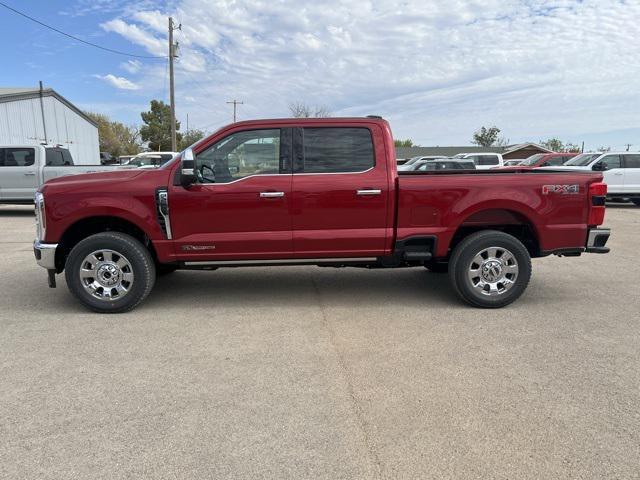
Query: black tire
x=636 y=201
x=437 y=267
x=163 y=269
x=139 y=263
x=478 y=291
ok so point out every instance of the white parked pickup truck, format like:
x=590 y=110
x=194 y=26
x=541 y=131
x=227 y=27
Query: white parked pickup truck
x=24 y=168
x=621 y=171
x=483 y=161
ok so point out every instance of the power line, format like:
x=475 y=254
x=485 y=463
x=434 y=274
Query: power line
x=118 y=52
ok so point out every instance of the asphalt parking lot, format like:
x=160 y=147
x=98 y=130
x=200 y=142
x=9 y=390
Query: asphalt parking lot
x=307 y=372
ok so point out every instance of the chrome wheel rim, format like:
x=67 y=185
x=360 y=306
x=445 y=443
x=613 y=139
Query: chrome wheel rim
x=493 y=271
x=106 y=275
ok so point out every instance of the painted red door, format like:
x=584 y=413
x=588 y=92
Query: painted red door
x=340 y=192
x=240 y=206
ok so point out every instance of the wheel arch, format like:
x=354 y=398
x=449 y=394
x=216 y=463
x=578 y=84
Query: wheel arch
x=91 y=225
x=517 y=222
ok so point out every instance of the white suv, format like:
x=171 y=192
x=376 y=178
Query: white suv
x=483 y=161
x=621 y=171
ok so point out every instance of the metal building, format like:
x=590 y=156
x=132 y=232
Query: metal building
x=33 y=116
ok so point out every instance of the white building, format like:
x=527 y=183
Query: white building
x=30 y=116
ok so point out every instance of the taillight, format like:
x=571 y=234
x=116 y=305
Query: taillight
x=597 y=198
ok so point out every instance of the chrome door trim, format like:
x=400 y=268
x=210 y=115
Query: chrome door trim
x=369 y=191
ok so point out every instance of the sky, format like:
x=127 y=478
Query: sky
x=436 y=69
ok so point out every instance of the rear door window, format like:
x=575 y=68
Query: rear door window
x=66 y=157
x=337 y=150
x=632 y=161
x=54 y=158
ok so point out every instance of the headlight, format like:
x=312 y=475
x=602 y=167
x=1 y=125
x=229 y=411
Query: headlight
x=41 y=218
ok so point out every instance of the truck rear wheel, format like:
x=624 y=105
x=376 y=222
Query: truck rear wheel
x=490 y=269
x=110 y=272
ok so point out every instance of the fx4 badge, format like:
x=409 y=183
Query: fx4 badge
x=561 y=189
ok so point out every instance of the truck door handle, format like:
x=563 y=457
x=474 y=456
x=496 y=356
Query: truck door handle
x=271 y=194
x=369 y=191
x=617 y=173
x=30 y=174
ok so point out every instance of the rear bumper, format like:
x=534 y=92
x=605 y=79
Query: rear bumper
x=597 y=239
x=45 y=254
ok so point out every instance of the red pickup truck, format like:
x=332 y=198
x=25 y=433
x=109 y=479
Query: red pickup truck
x=310 y=191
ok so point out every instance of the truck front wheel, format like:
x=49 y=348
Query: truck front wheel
x=490 y=269
x=110 y=272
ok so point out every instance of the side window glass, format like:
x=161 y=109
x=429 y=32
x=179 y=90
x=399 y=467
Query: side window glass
x=337 y=150
x=241 y=154
x=54 y=158
x=486 y=160
x=19 y=157
x=556 y=161
x=611 y=161
x=66 y=157
x=1 y=157
x=632 y=161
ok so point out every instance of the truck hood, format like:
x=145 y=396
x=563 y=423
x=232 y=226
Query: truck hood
x=85 y=178
x=108 y=182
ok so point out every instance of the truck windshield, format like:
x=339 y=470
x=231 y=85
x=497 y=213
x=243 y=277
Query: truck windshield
x=582 y=160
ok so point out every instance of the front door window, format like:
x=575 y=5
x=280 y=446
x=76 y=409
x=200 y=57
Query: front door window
x=240 y=155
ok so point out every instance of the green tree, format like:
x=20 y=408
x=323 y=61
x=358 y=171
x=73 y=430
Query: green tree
x=558 y=145
x=404 y=143
x=116 y=138
x=488 y=137
x=157 y=126
x=190 y=137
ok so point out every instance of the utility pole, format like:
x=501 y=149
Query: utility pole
x=582 y=150
x=235 y=103
x=172 y=54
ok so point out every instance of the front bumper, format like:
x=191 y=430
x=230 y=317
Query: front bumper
x=597 y=239
x=45 y=254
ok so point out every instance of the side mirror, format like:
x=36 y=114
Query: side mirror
x=599 y=167
x=187 y=168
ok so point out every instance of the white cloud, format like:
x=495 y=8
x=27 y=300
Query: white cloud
x=135 y=34
x=438 y=70
x=131 y=66
x=118 y=82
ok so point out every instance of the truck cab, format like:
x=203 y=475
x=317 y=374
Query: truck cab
x=24 y=168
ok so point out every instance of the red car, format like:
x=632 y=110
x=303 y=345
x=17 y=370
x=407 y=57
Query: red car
x=547 y=160
x=310 y=191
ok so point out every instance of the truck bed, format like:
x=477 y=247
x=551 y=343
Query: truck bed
x=439 y=203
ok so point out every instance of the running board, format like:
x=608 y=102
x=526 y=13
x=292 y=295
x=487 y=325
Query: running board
x=292 y=261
